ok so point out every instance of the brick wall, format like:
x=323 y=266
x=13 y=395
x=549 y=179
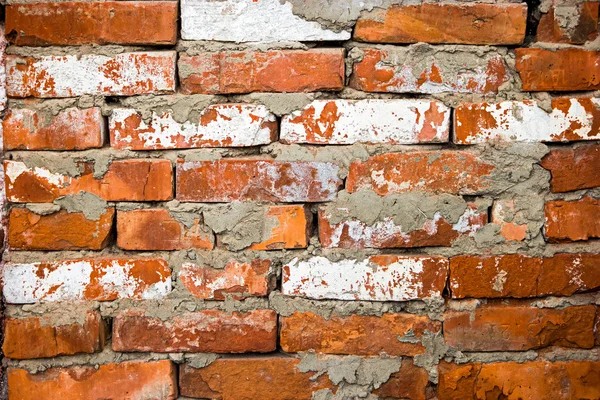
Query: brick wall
x=264 y=199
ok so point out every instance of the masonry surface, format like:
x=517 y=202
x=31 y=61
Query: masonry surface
x=289 y=200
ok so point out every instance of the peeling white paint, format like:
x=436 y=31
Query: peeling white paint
x=14 y=169
x=69 y=280
x=249 y=21
x=367 y=121
x=526 y=121
x=68 y=76
x=234 y=125
x=348 y=279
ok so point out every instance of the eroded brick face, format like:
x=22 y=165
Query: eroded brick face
x=300 y=200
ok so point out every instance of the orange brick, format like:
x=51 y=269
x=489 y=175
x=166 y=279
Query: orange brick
x=71 y=129
x=511 y=328
x=167 y=233
x=573 y=169
x=270 y=71
x=40 y=337
x=516 y=275
x=528 y=380
x=236 y=280
x=559 y=70
x=568 y=221
x=128 y=380
x=207 y=331
x=76 y=23
x=59 y=231
x=228 y=180
x=444 y=23
x=291 y=230
x=454 y=172
x=408 y=383
x=125 y=180
x=356 y=334
x=586 y=28
x=267 y=378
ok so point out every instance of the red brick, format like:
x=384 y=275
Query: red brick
x=167 y=232
x=236 y=280
x=569 y=119
x=560 y=70
x=512 y=380
x=219 y=125
x=408 y=383
x=360 y=335
x=71 y=129
x=597 y=326
x=59 y=231
x=568 y=221
x=76 y=23
x=444 y=23
x=207 y=331
x=549 y=29
x=255 y=71
x=93 y=279
x=398 y=71
x=516 y=275
x=454 y=172
x=132 y=380
x=266 y=378
x=228 y=180
x=292 y=228
x=573 y=169
x=125 y=74
x=353 y=233
x=125 y=180
x=513 y=328
x=41 y=337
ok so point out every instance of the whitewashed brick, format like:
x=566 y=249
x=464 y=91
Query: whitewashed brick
x=367 y=121
x=249 y=21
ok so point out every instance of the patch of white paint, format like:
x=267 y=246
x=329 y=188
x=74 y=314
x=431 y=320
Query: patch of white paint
x=249 y=21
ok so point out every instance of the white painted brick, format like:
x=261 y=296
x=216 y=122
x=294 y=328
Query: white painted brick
x=82 y=280
x=249 y=21
x=228 y=125
x=367 y=121
x=124 y=74
x=398 y=279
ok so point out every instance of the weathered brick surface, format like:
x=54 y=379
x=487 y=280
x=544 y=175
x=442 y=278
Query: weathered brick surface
x=248 y=179
x=409 y=383
x=573 y=169
x=101 y=279
x=267 y=378
x=504 y=214
x=222 y=125
x=125 y=180
x=514 y=328
x=245 y=72
x=583 y=25
x=132 y=380
x=40 y=337
x=208 y=331
x=367 y=121
x=529 y=380
x=125 y=74
x=362 y=335
x=378 y=278
x=69 y=23
x=167 y=232
x=515 y=275
x=71 y=129
x=444 y=23
x=58 y=231
x=291 y=230
x=576 y=220
x=398 y=71
x=560 y=70
x=236 y=280
x=443 y=172
x=526 y=121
